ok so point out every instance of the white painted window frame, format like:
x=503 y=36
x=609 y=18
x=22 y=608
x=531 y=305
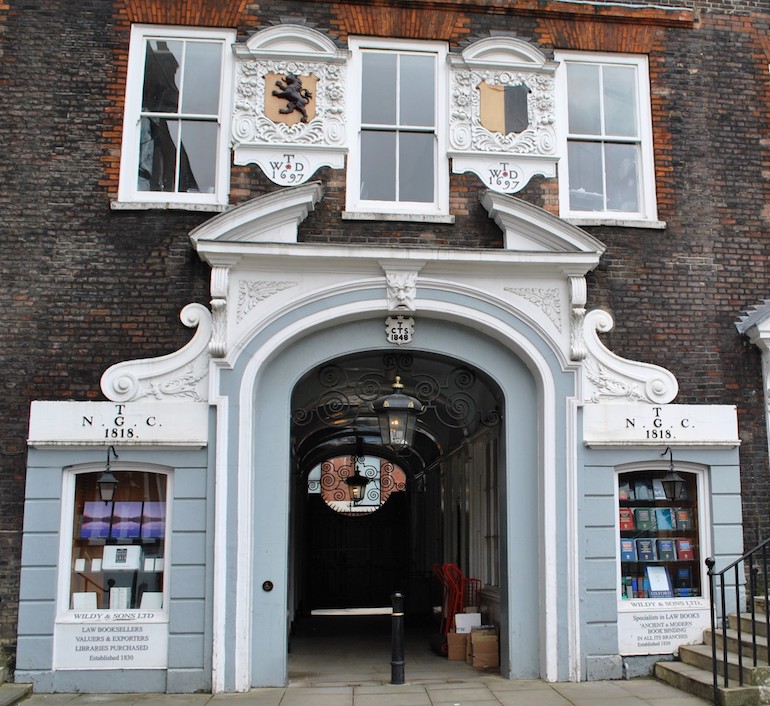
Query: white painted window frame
x=129 y=162
x=440 y=205
x=647 y=215
x=66 y=532
x=702 y=509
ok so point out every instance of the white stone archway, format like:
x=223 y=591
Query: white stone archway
x=271 y=292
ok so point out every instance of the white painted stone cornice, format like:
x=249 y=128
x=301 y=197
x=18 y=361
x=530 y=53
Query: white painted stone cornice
x=755 y=324
x=528 y=228
x=609 y=378
x=289 y=40
x=272 y=218
x=182 y=375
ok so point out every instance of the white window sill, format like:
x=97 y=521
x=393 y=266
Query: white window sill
x=409 y=217
x=166 y=206
x=616 y=222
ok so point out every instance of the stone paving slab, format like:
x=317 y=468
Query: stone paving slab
x=488 y=691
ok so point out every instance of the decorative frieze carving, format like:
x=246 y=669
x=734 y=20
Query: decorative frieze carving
x=546 y=299
x=251 y=293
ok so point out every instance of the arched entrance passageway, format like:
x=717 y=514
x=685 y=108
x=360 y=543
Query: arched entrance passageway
x=463 y=459
x=422 y=503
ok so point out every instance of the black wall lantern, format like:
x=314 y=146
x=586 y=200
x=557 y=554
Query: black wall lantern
x=673 y=483
x=397 y=414
x=107 y=482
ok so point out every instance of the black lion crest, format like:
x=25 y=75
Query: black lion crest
x=295 y=96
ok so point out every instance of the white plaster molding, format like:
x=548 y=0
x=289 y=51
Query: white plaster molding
x=179 y=375
x=609 y=378
x=505 y=162
x=289 y=154
x=756 y=325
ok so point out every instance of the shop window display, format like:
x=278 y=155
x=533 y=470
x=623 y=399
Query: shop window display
x=118 y=547
x=658 y=543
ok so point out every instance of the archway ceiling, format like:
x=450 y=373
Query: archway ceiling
x=332 y=414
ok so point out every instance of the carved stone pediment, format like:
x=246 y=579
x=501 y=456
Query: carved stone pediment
x=502 y=113
x=290 y=130
x=261 y=272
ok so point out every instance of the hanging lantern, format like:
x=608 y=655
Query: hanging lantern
x=107 y=481
x=397 y=414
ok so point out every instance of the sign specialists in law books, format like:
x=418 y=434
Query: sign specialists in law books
x=659 y=626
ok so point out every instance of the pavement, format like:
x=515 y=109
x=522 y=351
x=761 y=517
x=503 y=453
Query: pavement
x=487 y=691
x=333 y=663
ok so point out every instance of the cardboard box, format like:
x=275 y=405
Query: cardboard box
x=465 y=622
x=486 y=651
x=483 y=648
x=456 y=645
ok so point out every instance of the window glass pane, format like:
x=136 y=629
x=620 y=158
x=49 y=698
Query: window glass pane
x=157 y=154
x=197 y=160
x=583 y=99
x=378 y=165
x=378 y=88
x=118 y=547
x=586 y=190
x=161 y=67
x=659 y=537
x=202 y=70
x=622 y=166
x=416 y=165
x=620 y=101
x=417 y=90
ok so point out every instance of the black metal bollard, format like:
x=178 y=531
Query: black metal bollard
x=397 y=640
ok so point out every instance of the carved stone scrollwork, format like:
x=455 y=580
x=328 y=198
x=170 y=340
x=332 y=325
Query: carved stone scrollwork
x=402 y=291
x=505 y=153
x=287 y=147
x=183 y=374
x=607 y=376
x=578 y=298
x=546 y=299
x=220 y=278
x=251 y=293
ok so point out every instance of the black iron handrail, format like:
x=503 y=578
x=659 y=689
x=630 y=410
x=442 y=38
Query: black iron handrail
x=755 y=560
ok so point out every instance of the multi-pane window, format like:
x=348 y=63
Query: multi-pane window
x=119 y=546
x=607 y=140
x=174 y=145
x=395 y=161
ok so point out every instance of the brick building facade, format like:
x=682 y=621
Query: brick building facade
x=91 y=279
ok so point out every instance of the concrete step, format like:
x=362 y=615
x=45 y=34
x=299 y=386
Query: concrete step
x=700 y=682
x=746 y=646
x=761 y=621
x=13 y=693
x=700 y=656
